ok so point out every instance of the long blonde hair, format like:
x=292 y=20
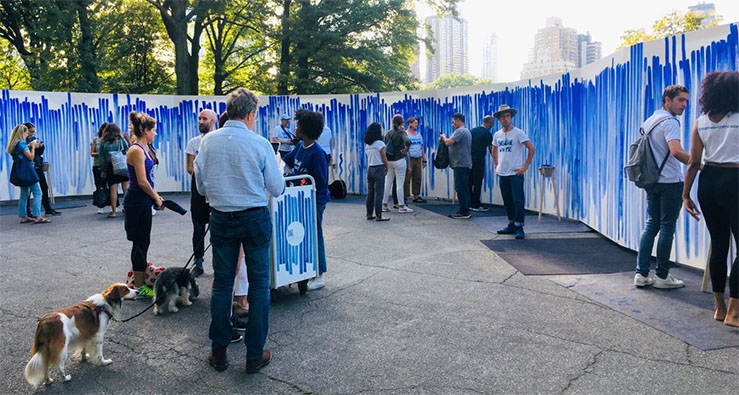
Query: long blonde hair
x=18 y=134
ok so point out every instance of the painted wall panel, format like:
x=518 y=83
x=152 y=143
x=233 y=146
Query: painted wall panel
x=582 y=122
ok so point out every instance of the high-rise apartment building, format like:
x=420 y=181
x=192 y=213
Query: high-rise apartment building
x=450 y=47
x=490 y=58
x=706 y=10
x=588 y=50
x=555 y=50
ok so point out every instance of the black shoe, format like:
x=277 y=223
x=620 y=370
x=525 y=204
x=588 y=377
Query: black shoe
x=419 y=200
x=253 y=365
x=460 y=216
x=53 y=212
x=196 y=271
x=520 y=235
x=236 y=336
x=237 y=323
x=218 y=359
x=508 y=230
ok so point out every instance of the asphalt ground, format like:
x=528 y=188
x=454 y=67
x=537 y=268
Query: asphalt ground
x=416 y=305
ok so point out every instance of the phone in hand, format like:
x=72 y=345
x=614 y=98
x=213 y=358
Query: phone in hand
x=275 y=147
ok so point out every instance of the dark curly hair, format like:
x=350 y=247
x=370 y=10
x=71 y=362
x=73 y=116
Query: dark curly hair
x=373 y=133
x=720 y=92
x=310 y=124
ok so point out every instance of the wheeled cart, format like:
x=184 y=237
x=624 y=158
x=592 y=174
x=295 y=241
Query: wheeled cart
x=294 y=250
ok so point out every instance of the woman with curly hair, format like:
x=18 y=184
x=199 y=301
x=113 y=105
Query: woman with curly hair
x=715 y=140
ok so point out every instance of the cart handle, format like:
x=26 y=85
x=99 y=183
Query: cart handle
x=300 y=177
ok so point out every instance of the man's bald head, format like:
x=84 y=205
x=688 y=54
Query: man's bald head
x=207 y=120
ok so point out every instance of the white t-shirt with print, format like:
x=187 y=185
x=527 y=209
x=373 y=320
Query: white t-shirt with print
x=372 y=152
x=280 y=133
x=510 y=150
x=666 y=131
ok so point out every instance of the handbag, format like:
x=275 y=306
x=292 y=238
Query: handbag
x=101 y=197
x=118 y=159
x=23 y=173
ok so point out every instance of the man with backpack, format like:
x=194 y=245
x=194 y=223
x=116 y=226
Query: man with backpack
x=664 y=197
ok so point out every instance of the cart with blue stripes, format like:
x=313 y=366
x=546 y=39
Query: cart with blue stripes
x=294 y=250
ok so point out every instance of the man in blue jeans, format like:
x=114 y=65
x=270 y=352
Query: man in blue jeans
x=664 y=199
x=460 y=159
x=508 y=145
x=234 y=181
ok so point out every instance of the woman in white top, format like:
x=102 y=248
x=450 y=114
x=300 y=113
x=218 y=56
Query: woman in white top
x=374 y=150
x=715 y=139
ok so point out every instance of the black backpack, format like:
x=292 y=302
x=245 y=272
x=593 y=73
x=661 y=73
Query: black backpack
x=337 y=189
x=441 y=160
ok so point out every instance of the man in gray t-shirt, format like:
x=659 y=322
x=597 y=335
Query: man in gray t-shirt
x=664 y=199
x=460 y=158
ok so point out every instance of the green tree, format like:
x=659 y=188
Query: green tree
x=454 y=81
x=135 y=54
x=185 y=21
x=669 y=25
x=13 y=72
x=347 y=46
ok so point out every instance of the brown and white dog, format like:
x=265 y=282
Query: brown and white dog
x=79 y=327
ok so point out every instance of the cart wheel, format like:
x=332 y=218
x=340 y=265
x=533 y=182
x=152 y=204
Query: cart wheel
x=303 y=287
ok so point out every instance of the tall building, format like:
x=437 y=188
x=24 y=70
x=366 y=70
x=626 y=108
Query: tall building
x=555 y=50
x=450 y=47
x=588 y=50
x=490 y=58
x=706 y=10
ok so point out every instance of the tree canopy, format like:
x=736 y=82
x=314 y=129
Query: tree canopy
x=669 y=25
x=192 y=47
x=454 y=81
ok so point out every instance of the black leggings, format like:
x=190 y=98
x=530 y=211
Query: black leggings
x=718 y=195
x=138 y=226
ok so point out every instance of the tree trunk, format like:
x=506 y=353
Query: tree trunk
x=284 y=74
x=301 y=50
x=88 y=81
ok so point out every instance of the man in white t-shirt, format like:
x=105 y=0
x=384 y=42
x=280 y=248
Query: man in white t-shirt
x=281 y=135
x=664 y=199
x=326 y=141
x=508 y=145
x=199 y=209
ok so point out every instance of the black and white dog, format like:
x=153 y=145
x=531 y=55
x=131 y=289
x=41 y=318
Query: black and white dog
x=174 y=287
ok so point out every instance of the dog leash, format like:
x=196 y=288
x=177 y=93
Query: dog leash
x=184 y=269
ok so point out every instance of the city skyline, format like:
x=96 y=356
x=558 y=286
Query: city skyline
x=516 y=24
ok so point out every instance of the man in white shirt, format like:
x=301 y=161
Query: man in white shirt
x=281 y=135
x=508 y=145
x=199 y=209
x=326 y=141
x=664 y=199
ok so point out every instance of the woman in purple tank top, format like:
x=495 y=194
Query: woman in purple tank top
x=141 y=196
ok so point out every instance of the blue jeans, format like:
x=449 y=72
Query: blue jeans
x=461 y=185
x=23 y=201
x=229 y=231
x=511 y=189
x=320 y=207
x=663 y=207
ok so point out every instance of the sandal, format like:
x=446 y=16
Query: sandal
x=26 y=220
x=41 y=220
x=111 y=215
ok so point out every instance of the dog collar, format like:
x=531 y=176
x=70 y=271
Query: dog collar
x=106 y=311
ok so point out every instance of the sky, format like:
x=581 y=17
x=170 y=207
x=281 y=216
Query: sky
x=515 y=24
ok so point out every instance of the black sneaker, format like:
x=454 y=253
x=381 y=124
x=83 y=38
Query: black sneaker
x=460 y=216
x=419 y=200
x=520 y=235
x=196 y=271
x=236 y=337
x=53 y=212
x=218 y=359
x=237 y=323
x=508 y=230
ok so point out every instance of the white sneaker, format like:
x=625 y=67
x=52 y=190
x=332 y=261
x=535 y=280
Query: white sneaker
x=101 y=211
x=405 y=209
x=669 y=282
x=316 y=283
x=481 y=208
x=385 y=209
x=641 y=281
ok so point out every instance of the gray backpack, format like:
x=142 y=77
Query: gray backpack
x=642 y=168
